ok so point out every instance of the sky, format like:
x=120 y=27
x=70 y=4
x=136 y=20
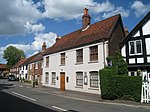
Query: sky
x=26 y=24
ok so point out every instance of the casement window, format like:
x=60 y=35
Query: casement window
x=46 y=77
x=53 y=77
x=94 y=53
x=135 y=47
x=79 y=78
x=79 y=55
x=47 y=61
x=94 y=79
x=62 y=60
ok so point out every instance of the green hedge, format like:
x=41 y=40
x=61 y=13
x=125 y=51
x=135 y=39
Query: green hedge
x=119 y=86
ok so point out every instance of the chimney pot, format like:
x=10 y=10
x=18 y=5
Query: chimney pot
x=126 y=31
x=44 y=46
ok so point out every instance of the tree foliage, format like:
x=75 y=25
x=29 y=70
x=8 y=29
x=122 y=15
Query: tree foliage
x=12 y=55
x=119 y=63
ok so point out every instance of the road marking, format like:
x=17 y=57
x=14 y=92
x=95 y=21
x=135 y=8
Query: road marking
x=24 y=96
x=21 y=86
x=98 y=102
x=58 y=108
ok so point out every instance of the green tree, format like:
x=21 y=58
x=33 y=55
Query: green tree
x=119 y=63
x=12 y=55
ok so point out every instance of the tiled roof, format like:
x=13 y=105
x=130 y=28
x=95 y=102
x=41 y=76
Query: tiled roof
x=95 y=33
x=19 y=63
x=37 y=57
x=3 y=66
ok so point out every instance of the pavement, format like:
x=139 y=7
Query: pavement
x=95 y=98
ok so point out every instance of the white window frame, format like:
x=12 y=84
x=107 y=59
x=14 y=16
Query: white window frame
x=46 y=77
x=94 y=79
x=135 y=48
x=79 y=79
x=53 y=78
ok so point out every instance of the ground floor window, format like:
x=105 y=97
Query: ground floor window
x=94 y=79
x=53 y=77
x=46 y=77
x=79 y=78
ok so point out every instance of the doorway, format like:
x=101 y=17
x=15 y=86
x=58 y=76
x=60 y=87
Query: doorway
x=62 y=81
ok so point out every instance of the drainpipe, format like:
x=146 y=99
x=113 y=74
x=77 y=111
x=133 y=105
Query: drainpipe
x=104 y=52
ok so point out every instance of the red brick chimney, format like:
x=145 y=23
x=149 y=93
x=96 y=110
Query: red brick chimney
x=44 y=46
x=57 y=38
x=126 y=31
x=86 y=19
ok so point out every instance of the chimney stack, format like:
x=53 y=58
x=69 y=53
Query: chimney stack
x=57 y=38
x=44 y=46
x=126 y=31
x=86 y=19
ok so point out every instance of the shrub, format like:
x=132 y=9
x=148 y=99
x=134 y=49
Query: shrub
x=115 y=86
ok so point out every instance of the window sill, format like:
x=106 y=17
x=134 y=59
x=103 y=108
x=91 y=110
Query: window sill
x=53 y=84
x=81 y=87
x=92 y=88
x=78 y=63
x=46 y=66
x=93 y=61
x=62 y=65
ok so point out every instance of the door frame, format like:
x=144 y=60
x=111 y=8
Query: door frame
x=62 y=81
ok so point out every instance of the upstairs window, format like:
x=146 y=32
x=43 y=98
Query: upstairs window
x=94 y=53
x=79 y=55
x=62 y=59
x=135 y=47
x=47 y=61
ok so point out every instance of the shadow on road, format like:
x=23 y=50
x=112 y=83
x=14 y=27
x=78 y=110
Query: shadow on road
x=9 y=103
x=5 y=86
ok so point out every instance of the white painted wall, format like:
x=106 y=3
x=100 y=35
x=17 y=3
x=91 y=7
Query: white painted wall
x=71 y=67
x=147 y=40
x=137 y=34
x=132 y=61
x=140 y=60
x=148 y=59
x=123 y=51
x=23 y=72
x=146 y=28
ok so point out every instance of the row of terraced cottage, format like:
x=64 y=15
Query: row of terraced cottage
x=74 y=61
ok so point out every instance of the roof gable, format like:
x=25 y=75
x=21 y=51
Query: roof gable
x=94 y=34
x=136 y=30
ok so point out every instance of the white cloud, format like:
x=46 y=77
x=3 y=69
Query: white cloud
x=140 y=8
x=72 y=9
x=14 y=15
x=34 y=28
x=49 y=38
x=117 y=10
x=35 y=46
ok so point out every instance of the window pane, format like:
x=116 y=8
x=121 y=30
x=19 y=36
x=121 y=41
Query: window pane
x=47 y=61
x=79 y=55
x=79 y=78
x=94 y=79
x=138 y=47
x=94 y=53
x=53 y=78
x=132 y=48
x=46 y=77
x=62 y=58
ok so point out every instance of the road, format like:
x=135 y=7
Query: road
x=19 y=97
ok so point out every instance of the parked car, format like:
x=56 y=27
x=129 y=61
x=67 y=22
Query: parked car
x=11 y=78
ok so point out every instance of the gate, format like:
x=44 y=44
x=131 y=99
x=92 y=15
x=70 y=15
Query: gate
x=145 y=96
